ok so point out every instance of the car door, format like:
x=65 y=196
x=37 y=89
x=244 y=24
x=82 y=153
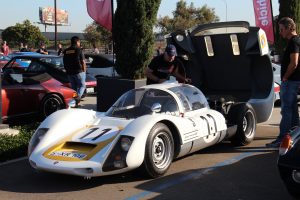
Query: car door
x=196 y=109
x=20 y=96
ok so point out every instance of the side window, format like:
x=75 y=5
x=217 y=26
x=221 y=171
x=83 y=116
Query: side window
x=184 y=101
x=191 y=97
x=196 y=98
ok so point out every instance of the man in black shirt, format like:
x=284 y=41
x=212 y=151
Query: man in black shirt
x=75 y=66
x=165 y=65
x=42 y=49
x=290 y=79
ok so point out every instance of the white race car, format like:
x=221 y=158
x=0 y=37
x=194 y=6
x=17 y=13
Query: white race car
x=146 y=127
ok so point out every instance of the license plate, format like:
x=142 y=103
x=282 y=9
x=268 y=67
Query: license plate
x=90 y=90
x=68 y=154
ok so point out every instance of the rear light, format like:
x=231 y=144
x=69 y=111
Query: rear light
x=286 y=144
x=276 y=88
x=75 y=95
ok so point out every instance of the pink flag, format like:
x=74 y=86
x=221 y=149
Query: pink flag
x=263 y=17
x=101 y=12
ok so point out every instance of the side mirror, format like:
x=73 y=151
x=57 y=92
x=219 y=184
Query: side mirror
x=156 y=107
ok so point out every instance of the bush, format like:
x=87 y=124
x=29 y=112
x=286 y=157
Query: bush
x=12 y=147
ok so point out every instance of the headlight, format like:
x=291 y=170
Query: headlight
x=36 y=138
x=179 y=38
x=125 y=143
x=117 y=157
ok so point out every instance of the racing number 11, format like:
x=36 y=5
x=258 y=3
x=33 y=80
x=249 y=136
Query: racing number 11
x=93 y=130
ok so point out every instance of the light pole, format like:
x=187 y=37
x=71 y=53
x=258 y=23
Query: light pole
x=226 y=9
x=55 y=26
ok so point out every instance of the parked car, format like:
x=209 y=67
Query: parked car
x=276 y=73
x=276 y=92
x=20 y=61
x=277 y=79
x=32 y=95
x=53 y=65
x=100 y=65
x=3 y=60
x=289 y=162
x=147 y=127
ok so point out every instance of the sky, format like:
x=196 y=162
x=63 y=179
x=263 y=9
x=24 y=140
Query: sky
x=16 y=11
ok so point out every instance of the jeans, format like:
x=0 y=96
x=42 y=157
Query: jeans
x=289 y=106
x=78 y=83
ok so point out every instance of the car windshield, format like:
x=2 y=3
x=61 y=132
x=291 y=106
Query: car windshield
x=139 y=102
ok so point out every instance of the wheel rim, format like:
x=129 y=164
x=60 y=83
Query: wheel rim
x=249 y=124
x=161 y=150
x=51 y=105
x=296 y=176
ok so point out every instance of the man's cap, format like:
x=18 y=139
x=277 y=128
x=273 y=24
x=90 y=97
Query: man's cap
x=171 y=50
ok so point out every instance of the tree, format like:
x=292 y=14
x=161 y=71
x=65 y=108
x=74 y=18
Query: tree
x=185 y=17
x=133 y=35
x=94 y=34
x=287 y=8
x=25 y=33
x=91 y=34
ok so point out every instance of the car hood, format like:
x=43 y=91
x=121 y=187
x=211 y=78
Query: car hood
x=86 y=140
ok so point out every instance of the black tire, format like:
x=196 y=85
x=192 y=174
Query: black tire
x=50 y=104
x=242 y=115
x=159 y=151
x=291 y=185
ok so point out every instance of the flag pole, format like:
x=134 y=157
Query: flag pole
x=112 y=36
x=272 y=21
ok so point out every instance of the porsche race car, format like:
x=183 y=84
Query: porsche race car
x=145 y=128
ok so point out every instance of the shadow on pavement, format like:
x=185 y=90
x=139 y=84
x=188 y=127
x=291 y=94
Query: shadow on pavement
x=254 y=177
x=20 y=177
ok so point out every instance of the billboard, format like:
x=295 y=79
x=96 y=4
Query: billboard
x=47 y=16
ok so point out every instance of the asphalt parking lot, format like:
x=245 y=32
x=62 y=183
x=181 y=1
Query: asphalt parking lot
x=218 y=172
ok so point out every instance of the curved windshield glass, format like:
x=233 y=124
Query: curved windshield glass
x=138 y=102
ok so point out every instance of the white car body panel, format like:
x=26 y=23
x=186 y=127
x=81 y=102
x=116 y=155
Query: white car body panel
x=80 y=141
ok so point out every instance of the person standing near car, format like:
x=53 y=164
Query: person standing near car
x=60 y=50
x=290 y=79
x=42 y=49
x=5 y=49
x=75 y=66
x=165 y=65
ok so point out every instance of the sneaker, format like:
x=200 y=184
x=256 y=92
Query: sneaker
x=274 y=144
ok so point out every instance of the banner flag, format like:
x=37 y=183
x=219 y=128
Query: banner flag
x=264 y=18
x=101 y=12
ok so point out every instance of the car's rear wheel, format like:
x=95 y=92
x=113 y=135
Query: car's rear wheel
x=291 y=178
x=242 y=115
x=159 y=151
x=50 y=104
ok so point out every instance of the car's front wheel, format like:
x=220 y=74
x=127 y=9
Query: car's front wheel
x=50 y=104
x=159 y=151
x=242 y=115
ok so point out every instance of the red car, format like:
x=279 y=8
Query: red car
x=53 y=65
x=36 y=95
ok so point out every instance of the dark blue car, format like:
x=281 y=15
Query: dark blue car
x=289 y=162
